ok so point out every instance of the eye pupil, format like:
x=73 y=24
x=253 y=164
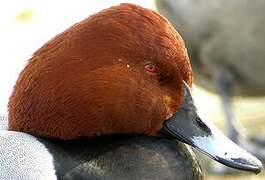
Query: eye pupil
x=150 y=68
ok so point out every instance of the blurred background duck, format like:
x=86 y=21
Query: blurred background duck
x=226 y=43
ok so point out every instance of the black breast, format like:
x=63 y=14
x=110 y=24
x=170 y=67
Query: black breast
x=123 y=157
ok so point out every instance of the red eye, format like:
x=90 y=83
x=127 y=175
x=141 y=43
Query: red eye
x=151 y=68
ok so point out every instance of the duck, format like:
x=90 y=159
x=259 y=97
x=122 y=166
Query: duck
x=110 y=98
x=225 y=51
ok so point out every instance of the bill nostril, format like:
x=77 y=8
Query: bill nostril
x=202 y=125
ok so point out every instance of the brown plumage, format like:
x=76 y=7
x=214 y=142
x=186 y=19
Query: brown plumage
x=91 y=79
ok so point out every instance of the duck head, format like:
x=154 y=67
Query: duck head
x=122 y=70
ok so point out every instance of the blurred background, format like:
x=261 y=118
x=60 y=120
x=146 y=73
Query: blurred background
x=221 y=31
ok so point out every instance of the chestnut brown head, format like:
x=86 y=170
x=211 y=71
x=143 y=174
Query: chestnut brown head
x=118 y=71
